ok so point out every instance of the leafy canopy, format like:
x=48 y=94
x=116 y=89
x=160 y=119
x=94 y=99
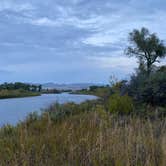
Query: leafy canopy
x=146 y=47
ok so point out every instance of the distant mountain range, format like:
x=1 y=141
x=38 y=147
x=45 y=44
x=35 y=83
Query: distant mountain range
x=73 y=86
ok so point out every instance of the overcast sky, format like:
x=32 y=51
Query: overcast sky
x=68 y=41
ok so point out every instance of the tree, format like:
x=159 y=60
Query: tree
x=39 y=88
x=150 y=90
x=147 y=47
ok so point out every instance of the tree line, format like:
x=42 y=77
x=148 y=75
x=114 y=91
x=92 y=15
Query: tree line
x=19 y=85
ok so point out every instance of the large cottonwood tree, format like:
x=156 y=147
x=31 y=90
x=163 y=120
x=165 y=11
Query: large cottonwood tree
x=146 y=46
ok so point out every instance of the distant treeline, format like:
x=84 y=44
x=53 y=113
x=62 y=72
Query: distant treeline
x=19 y=85
x=54 y=91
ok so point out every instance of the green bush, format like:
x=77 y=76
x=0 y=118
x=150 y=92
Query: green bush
x=120 y=104
x=58 y=111
x=149 y=89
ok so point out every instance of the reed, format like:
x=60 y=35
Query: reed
x=85 y=138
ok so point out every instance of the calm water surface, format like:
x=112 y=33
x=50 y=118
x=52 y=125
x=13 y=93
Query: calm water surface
x=14 y=110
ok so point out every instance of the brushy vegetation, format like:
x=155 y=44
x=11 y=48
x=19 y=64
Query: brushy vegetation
x=86 y=136
x=13 y=90
x=120 y=104
x=101 y=91
x=19 y=85
x=152 y=89
x=4 y=94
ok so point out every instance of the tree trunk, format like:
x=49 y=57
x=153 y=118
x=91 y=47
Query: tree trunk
x=149 y=67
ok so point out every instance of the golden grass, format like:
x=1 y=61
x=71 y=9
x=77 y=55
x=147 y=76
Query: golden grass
x=86 y=139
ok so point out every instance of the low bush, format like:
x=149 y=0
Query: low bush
x=149 y=89
x=120 y=104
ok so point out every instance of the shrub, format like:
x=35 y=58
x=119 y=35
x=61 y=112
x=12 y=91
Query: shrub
x=120 y=104
x=150 y=90
x=58 y=111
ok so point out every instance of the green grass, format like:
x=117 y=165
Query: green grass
x=4 y=94
x=84 y=135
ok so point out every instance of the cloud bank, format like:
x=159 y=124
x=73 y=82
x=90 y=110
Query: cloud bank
x=72 y=41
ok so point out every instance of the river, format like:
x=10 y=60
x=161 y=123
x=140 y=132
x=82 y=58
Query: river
x=14 y=110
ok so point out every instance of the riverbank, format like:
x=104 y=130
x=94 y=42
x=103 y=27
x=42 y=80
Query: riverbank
x=83 y=134
x=100 y=91
x=15 y=109
x=5 y=94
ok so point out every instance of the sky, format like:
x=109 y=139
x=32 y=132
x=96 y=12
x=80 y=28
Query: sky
x=72 y=41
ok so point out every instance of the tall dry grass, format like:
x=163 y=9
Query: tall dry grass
x=85 y=139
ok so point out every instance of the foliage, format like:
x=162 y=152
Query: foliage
x=146 y=47
x=86 y=138
x=101 y=91
x=58 y=111
x=119 y=87
x=16 y=93
x=120 y=104
x=18 y=89
x=19 y=85
x=151 y=90
x=113 y=80
x=54 y=91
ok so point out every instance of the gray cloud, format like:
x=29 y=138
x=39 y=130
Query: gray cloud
x=61 y=37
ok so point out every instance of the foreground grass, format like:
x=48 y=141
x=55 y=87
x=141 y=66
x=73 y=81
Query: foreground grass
x=84 y=138
x=4 y=94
